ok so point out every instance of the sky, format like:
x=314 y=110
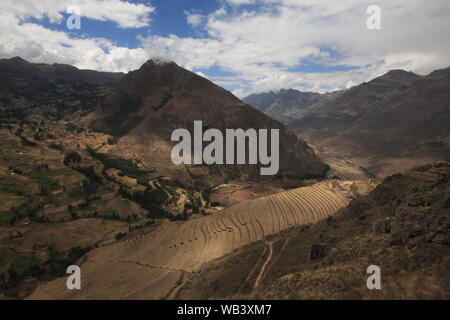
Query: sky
x=245 y=46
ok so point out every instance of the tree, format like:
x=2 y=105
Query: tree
x=72 y=157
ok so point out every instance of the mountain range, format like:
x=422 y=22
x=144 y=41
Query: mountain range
x=289 y=104
x=391 y=123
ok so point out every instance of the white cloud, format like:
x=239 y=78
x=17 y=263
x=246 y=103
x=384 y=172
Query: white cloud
x=36 y=43
x=201 y=74
x=194 y=19
x=125 y=14
x=241 y=2
x=265 y=47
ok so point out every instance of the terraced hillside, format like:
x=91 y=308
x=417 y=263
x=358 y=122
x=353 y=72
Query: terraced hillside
x=154 y=265
x=402 y=226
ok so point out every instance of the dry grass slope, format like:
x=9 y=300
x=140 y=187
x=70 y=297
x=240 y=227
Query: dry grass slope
x=151 y=265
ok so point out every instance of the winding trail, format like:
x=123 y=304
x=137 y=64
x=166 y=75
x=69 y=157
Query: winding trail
x=263 y=268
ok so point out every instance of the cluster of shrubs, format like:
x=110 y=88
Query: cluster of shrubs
x=72 y=157
x=54 y=267
x=113 y=140
x=89 y=173
x=206 y=194
x=140 y=226
x=37 y=136
x=179 y=217
x=26 y=142
x=148 y=199
x=45 y=182
x=56 y=146
x=70 y=127
x=85 y=189
x=189 y=205
x=109 y=214
x=122 y=235
x=5 y=100
x=195 y=203
x=127 y=166
x=25 y=210
x=13 y=113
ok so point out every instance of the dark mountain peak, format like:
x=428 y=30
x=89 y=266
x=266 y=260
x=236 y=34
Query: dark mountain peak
x=61 y=66
x=266 y=93
x=157 y=73
x=17 y=60
x=283 y=91
x=440 y=74
x=159 y=68
x=399 y=72
x=398 y=75
x=15 y=63
x=288 y=91
x=32 y=79
x=295 y=91
x=158 y=62
x=284 y=103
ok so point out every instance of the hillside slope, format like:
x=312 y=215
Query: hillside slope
x=150 y=103
x=386 y=125
x=402 y=226
x=50 y=90
x=289 y=104
x=151 y=265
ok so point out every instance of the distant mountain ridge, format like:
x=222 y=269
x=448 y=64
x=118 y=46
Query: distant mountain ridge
x=18 y=67
x=288 y=104
x=56 y=89
x=391 y=123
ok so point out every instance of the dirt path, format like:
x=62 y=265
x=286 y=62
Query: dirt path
x=263 y=268
x=251 y=272
x=347 y=169
x=157 y=186
x=180 y=283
